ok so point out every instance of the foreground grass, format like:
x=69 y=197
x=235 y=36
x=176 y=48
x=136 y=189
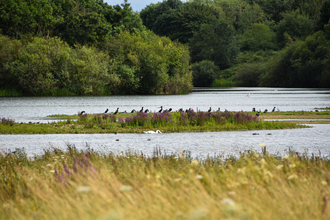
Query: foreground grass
x=137 y=123
x=86 y=185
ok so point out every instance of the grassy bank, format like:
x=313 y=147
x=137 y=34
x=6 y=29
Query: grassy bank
x=137 y=123
x=86 y=185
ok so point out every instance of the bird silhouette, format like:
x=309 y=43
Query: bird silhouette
x=218 y=109
x=116 y=111
x=258 y=113
x=266 y=110
x=146 y=111
x=209 y=110
x=106 y=111
x=161 y=109
x=133 y=111
x=141 y=109
x=170 y=109
x=80 y=113
x=273 y=109
x=181 y=110
x=253 y=109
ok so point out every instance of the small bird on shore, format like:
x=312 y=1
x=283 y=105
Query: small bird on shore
x=218 y=109
x=258 y=113
x=209 y=110
x=106 y=111
x=266 y=110
x=146 y=111
x=116 y=111
x=141 y=109
x=181 y=110
x=161 y=109
x=80 y=113
x=133 y=111
x=170 y=109
x=273 y=109
x=253 y=109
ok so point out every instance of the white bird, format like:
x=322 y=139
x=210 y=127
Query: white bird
x=152 y=132
x=248 y=95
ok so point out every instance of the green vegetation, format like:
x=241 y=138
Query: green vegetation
x=76 y=184
x=87 y=47
x=268 y=43
x=137 y=123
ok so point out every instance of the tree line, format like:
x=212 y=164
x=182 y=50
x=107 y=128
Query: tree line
x=249 y=42
x=86 y=47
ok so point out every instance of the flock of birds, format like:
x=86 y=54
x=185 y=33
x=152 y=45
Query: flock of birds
x=170 y=109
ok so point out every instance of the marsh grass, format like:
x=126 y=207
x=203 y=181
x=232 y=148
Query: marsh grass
x=76 y=184
x=137 y=123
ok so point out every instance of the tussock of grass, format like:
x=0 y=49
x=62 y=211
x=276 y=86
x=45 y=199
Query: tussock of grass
x=86 y=185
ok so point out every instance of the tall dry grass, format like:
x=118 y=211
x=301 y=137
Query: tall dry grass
x=86 y=185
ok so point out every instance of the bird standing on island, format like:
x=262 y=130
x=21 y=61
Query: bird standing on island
x=258 y=113
x=161 y=109
x=116 y=111
x=106 y=111
x=273 y=109
x=146 y=111
x=209 y=110
x=141 y=109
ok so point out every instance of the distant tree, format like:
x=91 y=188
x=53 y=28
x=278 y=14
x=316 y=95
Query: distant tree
x=181 y=23
x=257 y=37
x=295 y=26
x=150 y=13
x=324 y=15
x=215 y=42
x=204 y=73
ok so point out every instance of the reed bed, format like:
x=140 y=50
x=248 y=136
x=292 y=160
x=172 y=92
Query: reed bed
x=76 y=184
x=189 y=121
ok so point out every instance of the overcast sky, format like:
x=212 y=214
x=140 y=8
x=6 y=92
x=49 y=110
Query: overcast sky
x=137 y=5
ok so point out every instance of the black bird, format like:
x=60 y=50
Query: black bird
x=146 y=111
x=253 y=109
x=170 y=109
x=106 y=111
x=209 y=110
x=265 y=111
x=218 y=109
x=258 y=113
x=273 y=109
x=161 y=109
x=116 y=111
x=133 y=111
x=141 y=109
x=80 y=113
x=181 y=110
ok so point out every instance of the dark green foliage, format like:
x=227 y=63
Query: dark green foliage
x=324 y=15
x=294 y=26
x=215 y=42
x=204 y=73
x=304 y=64
x=150 y=14
x=257 y=37
x=181 y=23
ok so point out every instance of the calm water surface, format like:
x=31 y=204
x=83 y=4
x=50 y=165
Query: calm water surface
x=310 y=140
x=25 y=109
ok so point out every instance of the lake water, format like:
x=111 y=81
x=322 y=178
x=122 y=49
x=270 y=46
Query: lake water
x=310 y=140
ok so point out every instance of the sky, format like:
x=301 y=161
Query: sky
x=137 y=5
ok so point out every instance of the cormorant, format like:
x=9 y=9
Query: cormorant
x=258 y=113
x=141 y=109
x=116 y=111
x=273 y=109
x=133 y=111
x=253 y=109
x=161 y=109
x=170 y=109
x=146 y=111
x=266 y=110
x=106 y=111
x=209 y=110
